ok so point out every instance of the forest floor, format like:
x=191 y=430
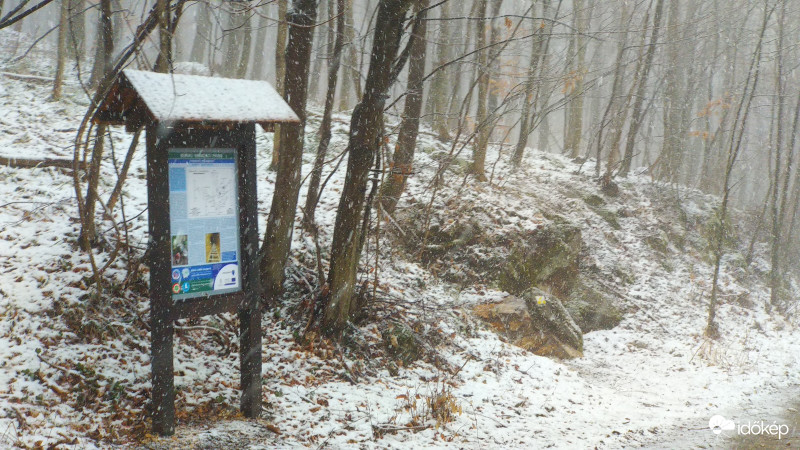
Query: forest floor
x=74 y=368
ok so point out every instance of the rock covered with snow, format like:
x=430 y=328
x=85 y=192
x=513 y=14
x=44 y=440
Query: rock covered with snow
x=535 y=321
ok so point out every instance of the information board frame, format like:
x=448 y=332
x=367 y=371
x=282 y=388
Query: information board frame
x=185 y=111
x=164 y=309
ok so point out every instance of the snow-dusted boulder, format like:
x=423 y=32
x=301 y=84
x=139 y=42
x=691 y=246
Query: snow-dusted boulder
x=545 y=258
x=535 y=321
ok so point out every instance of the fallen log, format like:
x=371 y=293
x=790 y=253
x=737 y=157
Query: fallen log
x=25 y=77
x=26 y=163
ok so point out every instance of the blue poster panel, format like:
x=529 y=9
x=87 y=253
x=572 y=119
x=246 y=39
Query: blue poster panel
x=204 y=222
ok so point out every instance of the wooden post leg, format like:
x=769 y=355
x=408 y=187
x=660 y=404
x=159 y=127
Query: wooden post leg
x=250 y=357
x=250 y=312
x=161 y=323
x=163 y=394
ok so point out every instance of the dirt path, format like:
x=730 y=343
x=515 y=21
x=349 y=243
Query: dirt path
x=790 y=418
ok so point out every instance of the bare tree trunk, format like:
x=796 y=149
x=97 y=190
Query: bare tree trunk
x=482 y=138
x=790 y=252
x=492 y=98
x=318 y=44
x=527 y=115
x=671 y=158
x=331 y=33
x=715 y=168
x=61 y=59
x=325 y=126
x=637 y=117
x=88 y=227
x=786 y=232
x=164 y=59
x=118 y=16
x=261 y=39
x=123 y=173
x=613 y=109
x=690 y=94
x=790 y=228
x=280 y=73
x=88 y=234
x=247 y=42
x=456 y=35
x=280 y=224
x=351 y=75
x=202 y=35
x=233 y=39
x=709 y=135
x=403 y=158
x=365 y=136
x=76 y=40
x=105 y=44
x=778 y=193
x=439 y=92
x=734 y=148
x=574 y=119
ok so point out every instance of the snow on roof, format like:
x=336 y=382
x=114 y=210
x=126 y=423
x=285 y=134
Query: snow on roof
x=194 y=98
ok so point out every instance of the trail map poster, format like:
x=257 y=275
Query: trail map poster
x=204 y=222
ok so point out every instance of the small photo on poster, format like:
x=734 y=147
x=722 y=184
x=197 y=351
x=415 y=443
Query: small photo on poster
x=213 y=253
x=180 y=250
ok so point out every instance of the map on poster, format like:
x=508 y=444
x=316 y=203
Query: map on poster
x=204 y=222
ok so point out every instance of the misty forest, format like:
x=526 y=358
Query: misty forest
x=475 y=224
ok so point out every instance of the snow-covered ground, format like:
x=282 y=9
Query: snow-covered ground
x=74 y=369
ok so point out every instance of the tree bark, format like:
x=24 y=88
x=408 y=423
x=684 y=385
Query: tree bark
x=482 y=136
x=123 y=173
x=538 y=54
x=164 y=15
x=613 y=110
x=280 y=72
x=351 y=75
x=636 y=115
x=101 y=66
x=365 y=136
x=105 y=44
x=312 y=196
x=247 y=42
x=88 y=227
x=574 y=132
x=440 y=92
x=403 y=158
x=783 y=171
x=202 y=34
x=258 y=53
x=671 y=157
x=734 y=148
x=76 y=40
x=233 y=39
x=455 y=101
x=492 y=98
x=61 y=59
x=280 y=224
x=318 y=43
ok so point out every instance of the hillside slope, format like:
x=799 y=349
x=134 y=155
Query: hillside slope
x=75 y=367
